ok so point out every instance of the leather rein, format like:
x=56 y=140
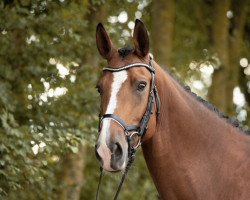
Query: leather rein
x=131 y=130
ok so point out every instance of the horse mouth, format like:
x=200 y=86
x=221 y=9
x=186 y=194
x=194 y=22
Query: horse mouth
x=117 y=165
x=114 y=169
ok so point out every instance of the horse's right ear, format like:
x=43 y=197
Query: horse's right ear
x=141 y=40
x=103 y=42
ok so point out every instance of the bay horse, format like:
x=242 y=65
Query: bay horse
x=191 y=151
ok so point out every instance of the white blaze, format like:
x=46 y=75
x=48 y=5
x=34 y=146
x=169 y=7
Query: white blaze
x=118 y=79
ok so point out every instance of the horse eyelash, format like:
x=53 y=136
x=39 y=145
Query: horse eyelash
x=141 y=82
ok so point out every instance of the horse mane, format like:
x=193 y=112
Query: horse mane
x=232 y=121
x=123 y=52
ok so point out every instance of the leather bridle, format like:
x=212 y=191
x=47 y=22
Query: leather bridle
x=131 y=130
x=142 y=127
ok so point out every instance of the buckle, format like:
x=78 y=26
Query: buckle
x=132 y=139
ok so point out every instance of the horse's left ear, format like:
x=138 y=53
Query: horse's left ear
x=141 y=40
x=103 y=42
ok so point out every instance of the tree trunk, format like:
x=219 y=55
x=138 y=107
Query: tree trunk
x=162 y=31
x=227 y=41
x=219 y=95
x=73 y=164
x=72 y=175
x=236 y=44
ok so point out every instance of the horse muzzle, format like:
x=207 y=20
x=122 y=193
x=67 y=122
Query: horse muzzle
x=112 y=156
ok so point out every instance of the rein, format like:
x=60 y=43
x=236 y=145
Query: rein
x=131 y=130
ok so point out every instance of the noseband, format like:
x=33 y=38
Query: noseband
x=131 y=130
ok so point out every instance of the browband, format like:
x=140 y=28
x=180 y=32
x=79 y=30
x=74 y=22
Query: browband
x=151 y=69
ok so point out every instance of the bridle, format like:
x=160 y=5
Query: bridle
x=131 y=130
x=142 y=127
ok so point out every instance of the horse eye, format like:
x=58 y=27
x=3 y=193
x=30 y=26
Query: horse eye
x=141 y=86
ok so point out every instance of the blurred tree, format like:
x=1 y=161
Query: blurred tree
x=203 y=33
x=71 y=175
x=227 y=37
x=162 y=30
x=220 y=27
x=46 y=110
x=48 y=104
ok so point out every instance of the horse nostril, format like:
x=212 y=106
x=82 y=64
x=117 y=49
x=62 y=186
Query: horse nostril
x=117 y=151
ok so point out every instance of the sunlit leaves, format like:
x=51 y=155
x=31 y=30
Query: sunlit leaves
x=41 y=108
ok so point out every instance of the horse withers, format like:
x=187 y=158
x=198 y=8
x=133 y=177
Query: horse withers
x=192 y=152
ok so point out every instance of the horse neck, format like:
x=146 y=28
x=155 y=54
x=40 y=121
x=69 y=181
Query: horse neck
x=187 y=136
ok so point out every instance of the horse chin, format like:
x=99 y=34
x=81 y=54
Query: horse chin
x=117 y=167
x=111 y=170
x=115 y=171
x=114 y=168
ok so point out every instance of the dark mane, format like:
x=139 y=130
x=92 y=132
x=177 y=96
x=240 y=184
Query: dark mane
x=233 y=121
x=123 y=52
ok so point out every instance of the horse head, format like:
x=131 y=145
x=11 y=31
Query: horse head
x=127 y=93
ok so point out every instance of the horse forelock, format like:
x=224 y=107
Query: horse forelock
x=123 y=52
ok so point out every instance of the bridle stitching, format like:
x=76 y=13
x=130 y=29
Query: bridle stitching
x=128 y=66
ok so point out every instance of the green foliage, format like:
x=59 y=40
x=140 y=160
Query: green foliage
x=48 y=104
x=35 y=38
